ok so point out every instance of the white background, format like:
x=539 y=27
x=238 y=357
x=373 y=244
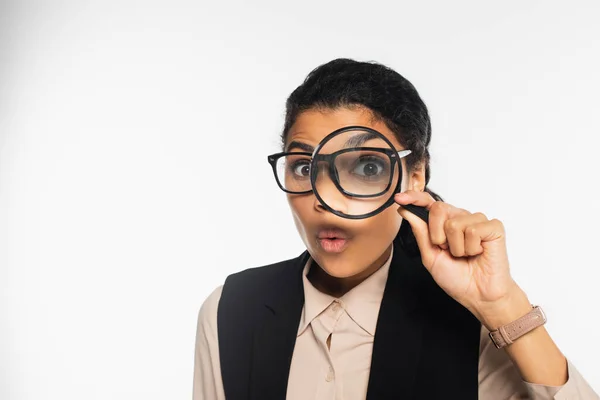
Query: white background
x=133 y=172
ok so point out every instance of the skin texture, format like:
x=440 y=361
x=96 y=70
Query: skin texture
x=371 y=238
x=464 y=252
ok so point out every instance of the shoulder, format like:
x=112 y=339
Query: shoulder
x=257 y=280
x=239 y=286
x=250 y=280
x=246 y=293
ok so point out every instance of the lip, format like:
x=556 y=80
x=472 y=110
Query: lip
x=332 y=233
x=332 y=240
x=333 y=245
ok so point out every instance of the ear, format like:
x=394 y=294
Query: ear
x=416 y=179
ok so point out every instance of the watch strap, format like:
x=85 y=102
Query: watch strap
x=507 y=334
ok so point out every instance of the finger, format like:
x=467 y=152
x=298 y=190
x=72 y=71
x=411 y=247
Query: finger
x=482 y=233
x=473 y=240
x=418 y=198
x=456 y=228
x=439 y=213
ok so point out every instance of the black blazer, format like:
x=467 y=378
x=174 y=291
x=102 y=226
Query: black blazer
x=426 y=345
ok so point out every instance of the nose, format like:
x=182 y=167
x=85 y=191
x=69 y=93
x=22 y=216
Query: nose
x=330 y=194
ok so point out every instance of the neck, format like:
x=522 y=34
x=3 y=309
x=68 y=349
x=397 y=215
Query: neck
x=337 y=287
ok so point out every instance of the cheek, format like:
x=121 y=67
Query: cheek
x=298 y=204
x=300 y=207
x=386 y=224
x=375 y=233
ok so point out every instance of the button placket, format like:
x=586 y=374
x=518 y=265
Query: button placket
x=330 y=374
x=337 y=309
x=323 y=327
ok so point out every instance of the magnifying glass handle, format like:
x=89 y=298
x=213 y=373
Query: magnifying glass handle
x=419 y=211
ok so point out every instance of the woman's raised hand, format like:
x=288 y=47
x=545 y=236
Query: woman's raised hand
x=467 y=257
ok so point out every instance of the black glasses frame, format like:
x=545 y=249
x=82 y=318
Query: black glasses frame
x=333 y=172
x=272 y=159
x=330 y=159
x=419 y=211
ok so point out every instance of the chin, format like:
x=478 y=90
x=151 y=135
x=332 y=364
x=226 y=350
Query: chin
x=340 y=273
x=336 y=265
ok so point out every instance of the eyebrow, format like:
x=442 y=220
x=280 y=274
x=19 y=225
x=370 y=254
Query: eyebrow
x=299 y=145
x=356 y=141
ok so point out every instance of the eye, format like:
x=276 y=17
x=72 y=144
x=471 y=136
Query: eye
x=369 y=166
x=301 y=168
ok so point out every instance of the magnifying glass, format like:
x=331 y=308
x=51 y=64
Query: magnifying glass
x=355 y=172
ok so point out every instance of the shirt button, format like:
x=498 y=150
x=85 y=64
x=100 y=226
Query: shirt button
x=330 y=375
x=336 y=305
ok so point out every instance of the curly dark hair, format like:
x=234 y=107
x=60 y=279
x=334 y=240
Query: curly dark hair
x=388 y=95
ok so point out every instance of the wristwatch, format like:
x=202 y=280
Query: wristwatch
x=507 y=334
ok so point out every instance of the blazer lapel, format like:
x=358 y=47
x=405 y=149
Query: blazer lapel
x=275 y=337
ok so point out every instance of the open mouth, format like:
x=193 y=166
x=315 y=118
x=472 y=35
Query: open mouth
x=333 y=245
x=332 y=240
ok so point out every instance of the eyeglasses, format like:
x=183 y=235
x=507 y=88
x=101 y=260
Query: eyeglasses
x=361 y=172
x=354 y=172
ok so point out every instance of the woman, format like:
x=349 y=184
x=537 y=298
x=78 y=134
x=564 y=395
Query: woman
x=383 y=307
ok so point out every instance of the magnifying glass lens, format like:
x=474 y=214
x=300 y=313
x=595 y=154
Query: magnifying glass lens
x=355 y=172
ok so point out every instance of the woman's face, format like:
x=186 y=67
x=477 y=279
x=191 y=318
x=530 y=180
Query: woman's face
x=366 y=243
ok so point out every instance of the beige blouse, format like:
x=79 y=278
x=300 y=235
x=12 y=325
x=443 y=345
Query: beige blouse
x=332 y=355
